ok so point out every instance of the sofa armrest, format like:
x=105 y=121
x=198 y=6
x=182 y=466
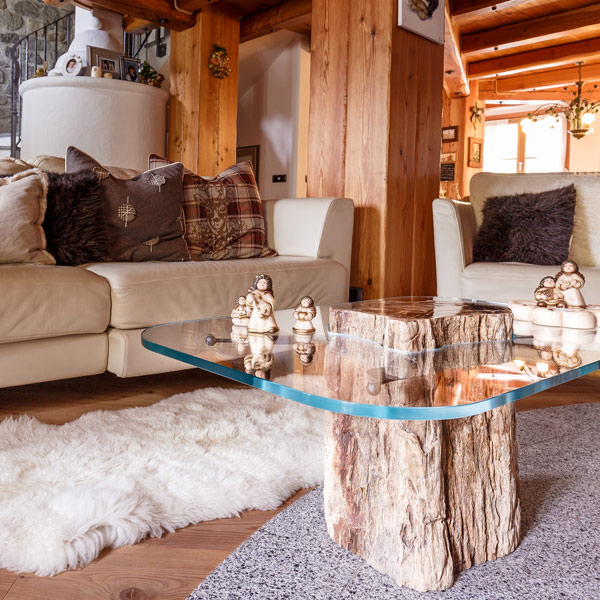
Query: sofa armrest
x=454 y=231
x=315 y=227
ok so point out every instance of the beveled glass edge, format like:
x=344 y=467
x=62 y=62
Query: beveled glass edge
x=404 y=413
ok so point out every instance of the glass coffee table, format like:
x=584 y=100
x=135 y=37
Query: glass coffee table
x=421 y=473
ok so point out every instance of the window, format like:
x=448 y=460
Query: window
x=508 y=149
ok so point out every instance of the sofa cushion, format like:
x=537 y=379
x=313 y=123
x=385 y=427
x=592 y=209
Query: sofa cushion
x=533 y=228
x=144 y=214
x=224 y=214
x=505 y=281
x=150 y=293
x=41 y=301
x=74 y=224
x=12 y=166
x=22 y=211
x=56 y=164
x=585 y=246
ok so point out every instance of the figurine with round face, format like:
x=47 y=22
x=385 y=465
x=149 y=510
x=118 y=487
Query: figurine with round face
x=261 y=301
x=569 y=282
x=240 y=315
x=546 y=293
x=304 y=313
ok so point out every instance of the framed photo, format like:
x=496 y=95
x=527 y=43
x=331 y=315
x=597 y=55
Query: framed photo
x=249 y=153
x=475 y=153
x=72 y=66
x=130 y=68
x=423 y=17
x=108 y=60
x=450 y=134
x=448 y=167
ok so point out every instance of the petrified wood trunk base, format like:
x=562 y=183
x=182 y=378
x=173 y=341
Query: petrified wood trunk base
x=423 y=500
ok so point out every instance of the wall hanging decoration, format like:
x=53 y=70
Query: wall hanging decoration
x=476 y=116
x=220 y=63
x=423 y=17
x=450 y=134
x=475 y=153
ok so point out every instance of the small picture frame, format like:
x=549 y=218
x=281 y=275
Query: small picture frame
x=251 y=154
x=72 y=66
x=130 y=69
x=108 y=60
x=450 y=134
x=475 y=153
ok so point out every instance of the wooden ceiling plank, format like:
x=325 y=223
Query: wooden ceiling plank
x=469 y=7
x=286 y=14
x=550 y=78
x=456 y=82
x=160 y=12
x=525 y=31
x=563 y=53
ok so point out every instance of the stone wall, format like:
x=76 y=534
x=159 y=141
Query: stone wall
x=17 y=19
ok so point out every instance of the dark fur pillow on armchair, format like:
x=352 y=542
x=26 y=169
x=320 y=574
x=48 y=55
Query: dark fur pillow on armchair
x=531 y=228
x=74 y=223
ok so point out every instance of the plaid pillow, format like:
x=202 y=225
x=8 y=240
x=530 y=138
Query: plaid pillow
x=223 y=214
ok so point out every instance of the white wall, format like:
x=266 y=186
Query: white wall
x=585 y=153
x=273 y=110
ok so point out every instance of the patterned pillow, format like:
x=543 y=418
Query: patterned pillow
x=144 y=215
x=223 y=214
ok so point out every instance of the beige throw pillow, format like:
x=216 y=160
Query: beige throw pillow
x=22 y=210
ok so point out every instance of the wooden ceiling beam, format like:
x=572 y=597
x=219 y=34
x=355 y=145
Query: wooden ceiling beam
x=135 y=25
x=455 y=72
x=160 y=12
x=548 y=79
x=531 y=29
x=563 y=53
x=281 y=16
x=540 y=96
x=194 y=5
x=475 y=7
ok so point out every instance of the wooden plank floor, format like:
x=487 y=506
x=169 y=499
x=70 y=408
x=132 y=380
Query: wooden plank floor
x=168 y=568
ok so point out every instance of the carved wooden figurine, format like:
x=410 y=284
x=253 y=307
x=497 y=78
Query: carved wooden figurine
x=240 y=315
x=304 y=313
x=569 y=282
x=261 y=301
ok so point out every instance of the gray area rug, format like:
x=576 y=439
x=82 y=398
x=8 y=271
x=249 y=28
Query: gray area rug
x=292 y=557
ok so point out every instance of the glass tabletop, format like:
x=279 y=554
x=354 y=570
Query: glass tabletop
x=349 y=375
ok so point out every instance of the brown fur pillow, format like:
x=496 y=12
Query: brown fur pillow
x=74 y=224
x=533 y=228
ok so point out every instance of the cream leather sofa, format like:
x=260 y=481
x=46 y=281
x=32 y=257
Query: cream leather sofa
x=59 y=322
x=456 y=224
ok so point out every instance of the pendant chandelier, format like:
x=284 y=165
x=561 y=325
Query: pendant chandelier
x=580 y=113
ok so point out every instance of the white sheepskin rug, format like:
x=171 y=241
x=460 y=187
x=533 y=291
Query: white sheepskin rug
x=110 y=479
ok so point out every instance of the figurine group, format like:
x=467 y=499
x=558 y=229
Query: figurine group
x=558 y=303
x=562 y=291
x=253 y=323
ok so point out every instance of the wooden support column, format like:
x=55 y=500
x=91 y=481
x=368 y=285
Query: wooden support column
x=375 y=136
x=203 y=108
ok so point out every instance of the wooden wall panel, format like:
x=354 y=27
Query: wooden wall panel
x=375 y=134
x=328 y=94
x=203 y=108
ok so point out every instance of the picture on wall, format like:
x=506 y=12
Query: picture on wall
x=251 y=154
x=475 y=153
x=450 y=134
x=423 y=17
x=108 y=60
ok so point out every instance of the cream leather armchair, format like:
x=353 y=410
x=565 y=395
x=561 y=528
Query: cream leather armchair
x=456 y=224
